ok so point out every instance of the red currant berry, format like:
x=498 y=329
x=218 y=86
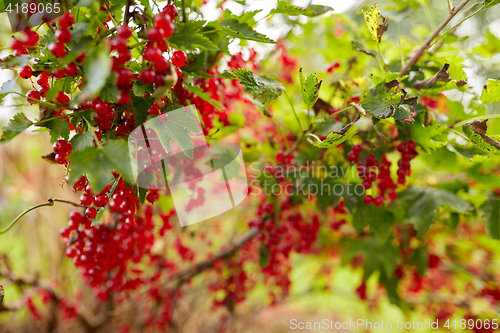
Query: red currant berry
x=62 y=98
x=61 y=159
x=123 y=98
x=352 y=157
x=90 y=213
x=63 y=36
x=101 y=199
x=147 y=76
x=66 y=20
x=393 y=195
x=61 y=147
x=378 y=201
x=43 y=90
x=179 y=58
x=155 y=34
x=368 y=199
x=33 y=97
x=25 y=72
x=86 y=199
x=170 y=10
x=356 y=149
x=57 y=49
x=124 y=32
x=42 y=80
x=31 y=38
x=58 y=73
x=71 y=70
x=280 y=156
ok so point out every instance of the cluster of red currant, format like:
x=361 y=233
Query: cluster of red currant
x=407 y=150
x=62 y=148
x=372 y=171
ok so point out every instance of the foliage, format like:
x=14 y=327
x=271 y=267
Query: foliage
x=402 y=172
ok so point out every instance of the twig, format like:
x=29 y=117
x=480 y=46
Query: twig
x=67 y=201
x=428 y=41
x=203 y=266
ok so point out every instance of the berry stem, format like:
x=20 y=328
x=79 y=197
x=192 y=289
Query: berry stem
x=293 y=109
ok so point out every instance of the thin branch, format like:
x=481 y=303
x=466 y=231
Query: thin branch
x=67 y=201
x=429 y=40
x=207 y=264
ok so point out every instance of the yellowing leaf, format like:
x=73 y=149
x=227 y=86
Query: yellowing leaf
x=372 y=17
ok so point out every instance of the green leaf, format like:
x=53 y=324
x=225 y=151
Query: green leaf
x=177 y=128
x=491 y=213
x=310 y=88
x=383 y=100
x=140 y=89
x=16 y=125
x=490 y=3
x=491 y=92
x=97 y=68
x=378 y=256
x=109 y=93
x=421 y=204
x=333 y=139
x=380 y=220
x=428 y=137
x=203 y=95
x=99 y=162
x=81 y=141
x=310 y=11
x=147 y=8
x=242 y=30
x=261 y=87
x=58 y=129
x=140 y=109
x=7 y=88
x=187 y=38
x=476 y=132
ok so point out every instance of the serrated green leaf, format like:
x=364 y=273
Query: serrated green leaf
x=291 y=10
x=187 y=38
x=261 y=87
x=16 y=125
x=491 y=93
x=491 y=214
x=81 y=141
x=309 y=87
x=58 y=129
x=476 y=132
x=333 y=139
x=383 y=100
x=428 y=137
x=97 y=163
x=242 y=30
x=109 y=93
x=176 y=129
x=420 y=204
x=140 y=89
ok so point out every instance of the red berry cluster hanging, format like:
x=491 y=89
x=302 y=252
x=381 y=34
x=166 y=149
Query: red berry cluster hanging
x=62 y=148
x=407 y=150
